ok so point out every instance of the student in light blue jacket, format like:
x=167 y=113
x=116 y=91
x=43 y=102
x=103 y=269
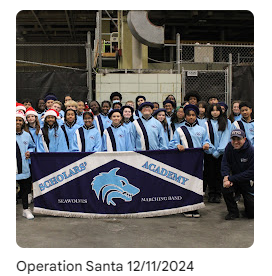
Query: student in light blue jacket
x=102 y=120
x=52 y=137
x=247 y=121
x=127 y=112
x=217 y=128
x=191 y=135
x=70 y=126
x=177 y=120
x=160 y=115
x=169 y=106
x=235 y=114
x=24 y=146
x=116 y=137
x=87 y=138
x=146 y=132
x=202 y=117
x=139 y=100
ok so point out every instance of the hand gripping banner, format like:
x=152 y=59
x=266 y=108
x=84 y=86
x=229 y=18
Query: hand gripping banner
x=122 y=184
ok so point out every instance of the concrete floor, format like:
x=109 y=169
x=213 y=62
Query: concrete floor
x=211 y=230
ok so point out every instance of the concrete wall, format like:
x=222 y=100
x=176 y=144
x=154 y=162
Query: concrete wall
x=155 y=87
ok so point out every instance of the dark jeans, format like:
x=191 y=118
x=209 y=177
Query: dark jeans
x=248 y=198
x=213 y=175
x=25 y=189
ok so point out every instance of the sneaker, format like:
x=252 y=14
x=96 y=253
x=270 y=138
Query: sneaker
x=231 y=216
x=192 y=214
x=196 y=214
x=27 y=214
x=188 y=214
x=30 y=198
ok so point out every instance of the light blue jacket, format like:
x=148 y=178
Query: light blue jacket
x=155 y=133
x=122 y=139
x=92 y=138
x=70 y=132
x=57 y=141
x=25 y=143
x=221 y=138
x=249 y=129
x=198 y=134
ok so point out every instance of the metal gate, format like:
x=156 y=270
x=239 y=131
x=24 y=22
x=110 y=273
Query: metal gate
x=207 y=83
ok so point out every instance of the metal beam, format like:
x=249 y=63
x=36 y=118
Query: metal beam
x=40 y=24
x=68 y=23
x=111 y=19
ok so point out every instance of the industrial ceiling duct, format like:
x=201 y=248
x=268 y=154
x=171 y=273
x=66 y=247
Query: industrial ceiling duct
x=143 y=30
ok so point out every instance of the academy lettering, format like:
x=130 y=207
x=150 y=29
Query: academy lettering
x=60 y=177
x=168 y=174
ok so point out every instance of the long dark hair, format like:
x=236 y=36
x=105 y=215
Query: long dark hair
x=45 y=130
x=137 y=98
x=174 y=102
x=174 y=118
x=204 y=105
x=222 y=120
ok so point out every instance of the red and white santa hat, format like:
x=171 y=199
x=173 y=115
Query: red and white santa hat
x=31 y=111
x=21 y=114
x=51 y=112
x=20 y=106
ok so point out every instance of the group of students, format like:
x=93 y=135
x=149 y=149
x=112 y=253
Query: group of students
x=113 y=126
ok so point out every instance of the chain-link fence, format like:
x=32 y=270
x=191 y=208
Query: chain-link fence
x=206 y=82
x=216 y=53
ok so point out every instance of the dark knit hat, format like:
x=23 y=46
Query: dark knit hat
x=191 y=107
x=168 y=101
x=127 y=106
x=224 y=104
x=50 y=97
x=115 y=110
x=159 y=110
x=146 y=104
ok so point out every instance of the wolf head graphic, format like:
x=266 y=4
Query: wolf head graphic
x=113 y=186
